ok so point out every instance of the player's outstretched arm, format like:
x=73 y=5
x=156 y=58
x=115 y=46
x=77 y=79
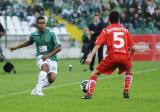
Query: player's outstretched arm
x=23 y=44
x=90 y=56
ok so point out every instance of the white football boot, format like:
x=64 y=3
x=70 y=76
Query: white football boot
x=37 y=93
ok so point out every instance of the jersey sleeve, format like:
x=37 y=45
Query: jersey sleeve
x=101 y=38
x=130 y=40
x=31 y=40
x=56 y=40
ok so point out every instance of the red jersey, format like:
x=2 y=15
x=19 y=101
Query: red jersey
x=117 y=38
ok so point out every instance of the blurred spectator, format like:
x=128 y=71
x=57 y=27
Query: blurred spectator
x=134 y=13
x=123 y=19
x=85 y=44
x=52 y=21
x=2 y=31
x=74 y=18
x=157 y=18
x=136 y=21
x=31 y=19
x=149 y=18
x=95 y=29
x=22 y=15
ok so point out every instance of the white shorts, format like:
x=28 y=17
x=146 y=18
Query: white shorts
x=52 y=64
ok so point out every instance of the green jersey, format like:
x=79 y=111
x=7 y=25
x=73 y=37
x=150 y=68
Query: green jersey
x=45 y=42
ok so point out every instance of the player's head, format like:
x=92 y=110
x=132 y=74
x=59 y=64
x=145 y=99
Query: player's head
x=114 y=17
x=41 y=23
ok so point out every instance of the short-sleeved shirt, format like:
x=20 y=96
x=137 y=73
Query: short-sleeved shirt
x=117 y=38
x=45 y=42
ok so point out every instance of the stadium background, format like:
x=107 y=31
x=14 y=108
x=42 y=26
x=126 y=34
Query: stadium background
x=67 y=18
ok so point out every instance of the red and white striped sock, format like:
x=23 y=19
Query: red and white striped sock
x=91 y=86
x=127 y=82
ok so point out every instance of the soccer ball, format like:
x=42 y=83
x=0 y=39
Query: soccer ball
x=84 y=85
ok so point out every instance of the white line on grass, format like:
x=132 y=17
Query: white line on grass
x=74 y=83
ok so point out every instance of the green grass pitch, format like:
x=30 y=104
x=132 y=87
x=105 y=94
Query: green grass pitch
x=65 y=94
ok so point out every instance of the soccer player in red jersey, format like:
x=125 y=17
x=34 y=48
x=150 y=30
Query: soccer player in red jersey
x=120 y=49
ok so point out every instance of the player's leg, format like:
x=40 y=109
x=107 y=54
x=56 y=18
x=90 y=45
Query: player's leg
x=44 y=67
x=127 y=83
x=41 y=80
x=91 y=85
x=51 y=76
x=106 y=66
x=126 y=66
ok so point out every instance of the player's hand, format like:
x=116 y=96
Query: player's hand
x=45 y=57
x=12 y=48
x=88 y=60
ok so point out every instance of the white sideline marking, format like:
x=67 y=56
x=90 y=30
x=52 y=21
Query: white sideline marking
x=68 y=84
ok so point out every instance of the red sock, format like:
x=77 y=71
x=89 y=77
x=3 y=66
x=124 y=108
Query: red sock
x=91 y=86
x=127 y=82
x=93 y=77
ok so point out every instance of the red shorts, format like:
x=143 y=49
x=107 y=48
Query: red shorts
x=113 y=61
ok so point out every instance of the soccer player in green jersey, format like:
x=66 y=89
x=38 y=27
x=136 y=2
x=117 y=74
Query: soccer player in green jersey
x=47 y=46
